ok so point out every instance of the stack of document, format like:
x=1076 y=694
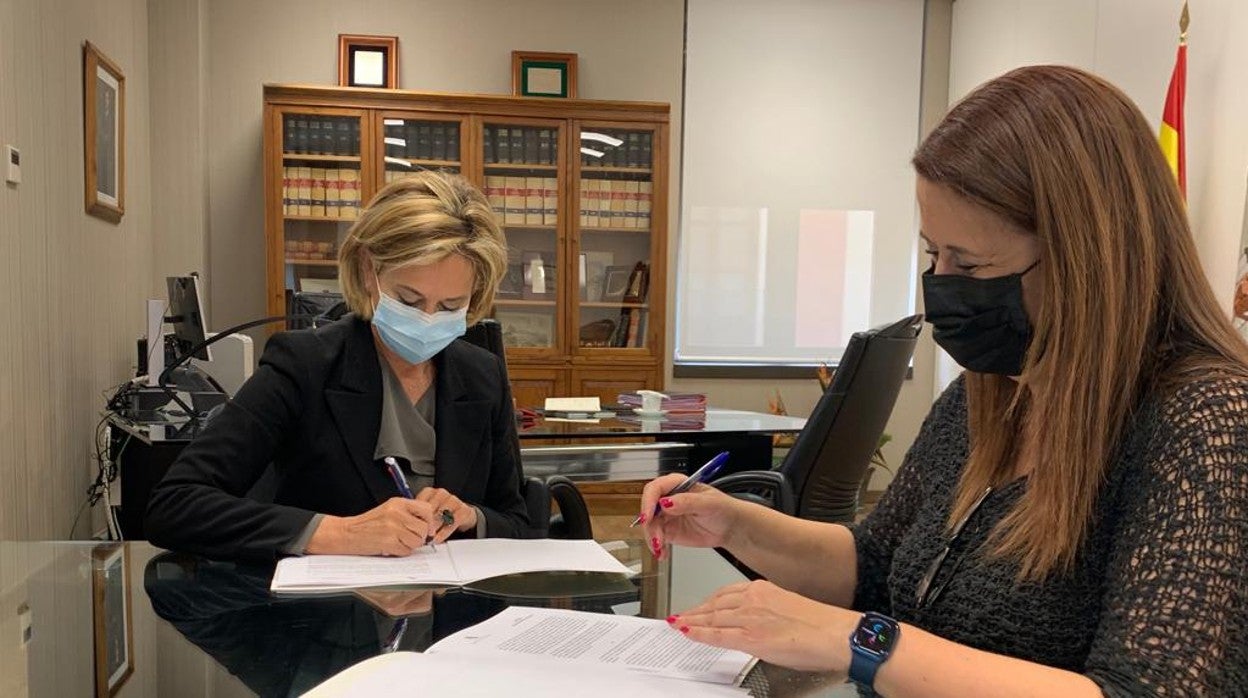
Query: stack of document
x=674 y=403
x=544 y=652
x=454 y=563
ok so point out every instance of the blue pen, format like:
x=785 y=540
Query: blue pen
x=703 y=474
x=400 y=481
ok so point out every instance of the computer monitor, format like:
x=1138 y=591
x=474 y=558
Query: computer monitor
x=186 y=314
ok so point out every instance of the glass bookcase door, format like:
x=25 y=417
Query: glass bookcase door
x=521 y=179
x=411 y=143
x=615 y=244
x=322 y=187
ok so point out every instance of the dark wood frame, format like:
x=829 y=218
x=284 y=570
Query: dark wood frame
x=102 y=556
x=544 y=59
x=93 y=60
x=349 y=43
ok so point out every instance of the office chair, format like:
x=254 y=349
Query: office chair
x=821 y=478
x=573 y=521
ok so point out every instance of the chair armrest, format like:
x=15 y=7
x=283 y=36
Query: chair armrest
x=537 y=502
x=769 y=488
x=572 y=522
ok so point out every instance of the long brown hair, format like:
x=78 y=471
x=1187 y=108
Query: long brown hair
x=1126 y=309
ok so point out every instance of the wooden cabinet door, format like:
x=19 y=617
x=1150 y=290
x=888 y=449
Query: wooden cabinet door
x=531 y=386
x=607 y=384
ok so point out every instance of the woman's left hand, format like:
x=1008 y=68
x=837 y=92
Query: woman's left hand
x=773 y=624
x=439 y=500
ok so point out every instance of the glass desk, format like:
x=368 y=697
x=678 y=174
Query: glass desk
x=178 y=625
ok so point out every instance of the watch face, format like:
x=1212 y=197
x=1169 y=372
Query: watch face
x=876 y=635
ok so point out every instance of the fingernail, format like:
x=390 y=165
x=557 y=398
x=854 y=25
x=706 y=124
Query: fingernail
x=684 y=629
x=666 y=503
x=672 y=618
x=642 y=518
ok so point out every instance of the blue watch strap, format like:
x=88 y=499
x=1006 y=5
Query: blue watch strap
x=862 y=667
x=872 y=648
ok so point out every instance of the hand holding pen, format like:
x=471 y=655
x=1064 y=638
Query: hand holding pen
x=448 y=513
x=685 y=511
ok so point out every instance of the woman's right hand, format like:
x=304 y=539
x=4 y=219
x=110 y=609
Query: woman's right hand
x=396 y=527
x=703 y=517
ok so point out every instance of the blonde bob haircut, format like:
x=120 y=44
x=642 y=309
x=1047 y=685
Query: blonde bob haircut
x=420 y=220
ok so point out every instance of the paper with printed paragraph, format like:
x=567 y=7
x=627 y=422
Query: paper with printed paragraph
x=596 y=642
x=454 y=563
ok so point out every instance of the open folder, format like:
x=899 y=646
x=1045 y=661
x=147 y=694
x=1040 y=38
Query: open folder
x=455 y=563
x=544 y=652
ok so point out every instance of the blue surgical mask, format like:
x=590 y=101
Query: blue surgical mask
x=413 y=334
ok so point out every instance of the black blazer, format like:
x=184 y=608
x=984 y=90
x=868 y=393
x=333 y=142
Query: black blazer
x=313 y=410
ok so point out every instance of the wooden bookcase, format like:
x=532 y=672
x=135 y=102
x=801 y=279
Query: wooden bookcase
x=580 y=187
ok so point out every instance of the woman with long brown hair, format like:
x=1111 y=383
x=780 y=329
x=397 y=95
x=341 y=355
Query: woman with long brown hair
x=1073 y=517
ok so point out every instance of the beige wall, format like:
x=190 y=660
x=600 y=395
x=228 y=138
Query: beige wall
x=73 y=284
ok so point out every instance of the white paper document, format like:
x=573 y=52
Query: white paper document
x=404 y=674
x=595 y=642
x=454 y=563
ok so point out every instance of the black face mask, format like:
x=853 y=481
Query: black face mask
x=980 y=322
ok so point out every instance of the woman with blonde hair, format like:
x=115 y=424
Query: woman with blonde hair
x=381 y=403
x=1073 y=517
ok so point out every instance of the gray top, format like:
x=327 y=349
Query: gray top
x=407 y=430
x=406 y=433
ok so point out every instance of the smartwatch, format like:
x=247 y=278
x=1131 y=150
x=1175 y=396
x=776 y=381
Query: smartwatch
x=870 y=646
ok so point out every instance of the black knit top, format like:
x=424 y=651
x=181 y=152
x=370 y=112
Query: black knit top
x=1157 y=602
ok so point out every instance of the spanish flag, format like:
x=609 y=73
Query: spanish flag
x=1172 y=140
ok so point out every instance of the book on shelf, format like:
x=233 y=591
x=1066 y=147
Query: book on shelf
x=342 y=136
x=604 y=203
x=318 y=192
x=545 y=147
x=645 y=197
x=633 y=157
x=288 y=133
x=517 y=144
x=550 y=201
x=286 y=187
x=349 y=193
x=452 y=142
x=301 y=134
x=632 y=196
x=515 y=201
x=619 y=202
x=437 y=142
x=305 y=191
x=502 y=141
x=496 y=193
x=314 y=137
x=491 y=146
x=333 y=193
x=532 y=146
x=534 y=206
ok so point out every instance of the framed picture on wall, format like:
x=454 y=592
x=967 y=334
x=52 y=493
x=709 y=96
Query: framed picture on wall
x=368 y=61
x=104 y=134
x=543 y=74
x=110 y=608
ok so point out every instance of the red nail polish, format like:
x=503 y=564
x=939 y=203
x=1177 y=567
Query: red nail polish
x=672 y=619
x=665 y=503
x=684 y=629
x=641 y=519
x=654 y=542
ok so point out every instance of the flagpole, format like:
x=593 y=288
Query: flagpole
x=1183 y=21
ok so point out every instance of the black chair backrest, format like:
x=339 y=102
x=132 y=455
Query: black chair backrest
x=314 y=308
x=488 y=334
x=826 y=465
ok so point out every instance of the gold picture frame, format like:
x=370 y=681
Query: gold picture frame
x=543 y=74
x=111 y=617
x=368 y=61
x=104 y=134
